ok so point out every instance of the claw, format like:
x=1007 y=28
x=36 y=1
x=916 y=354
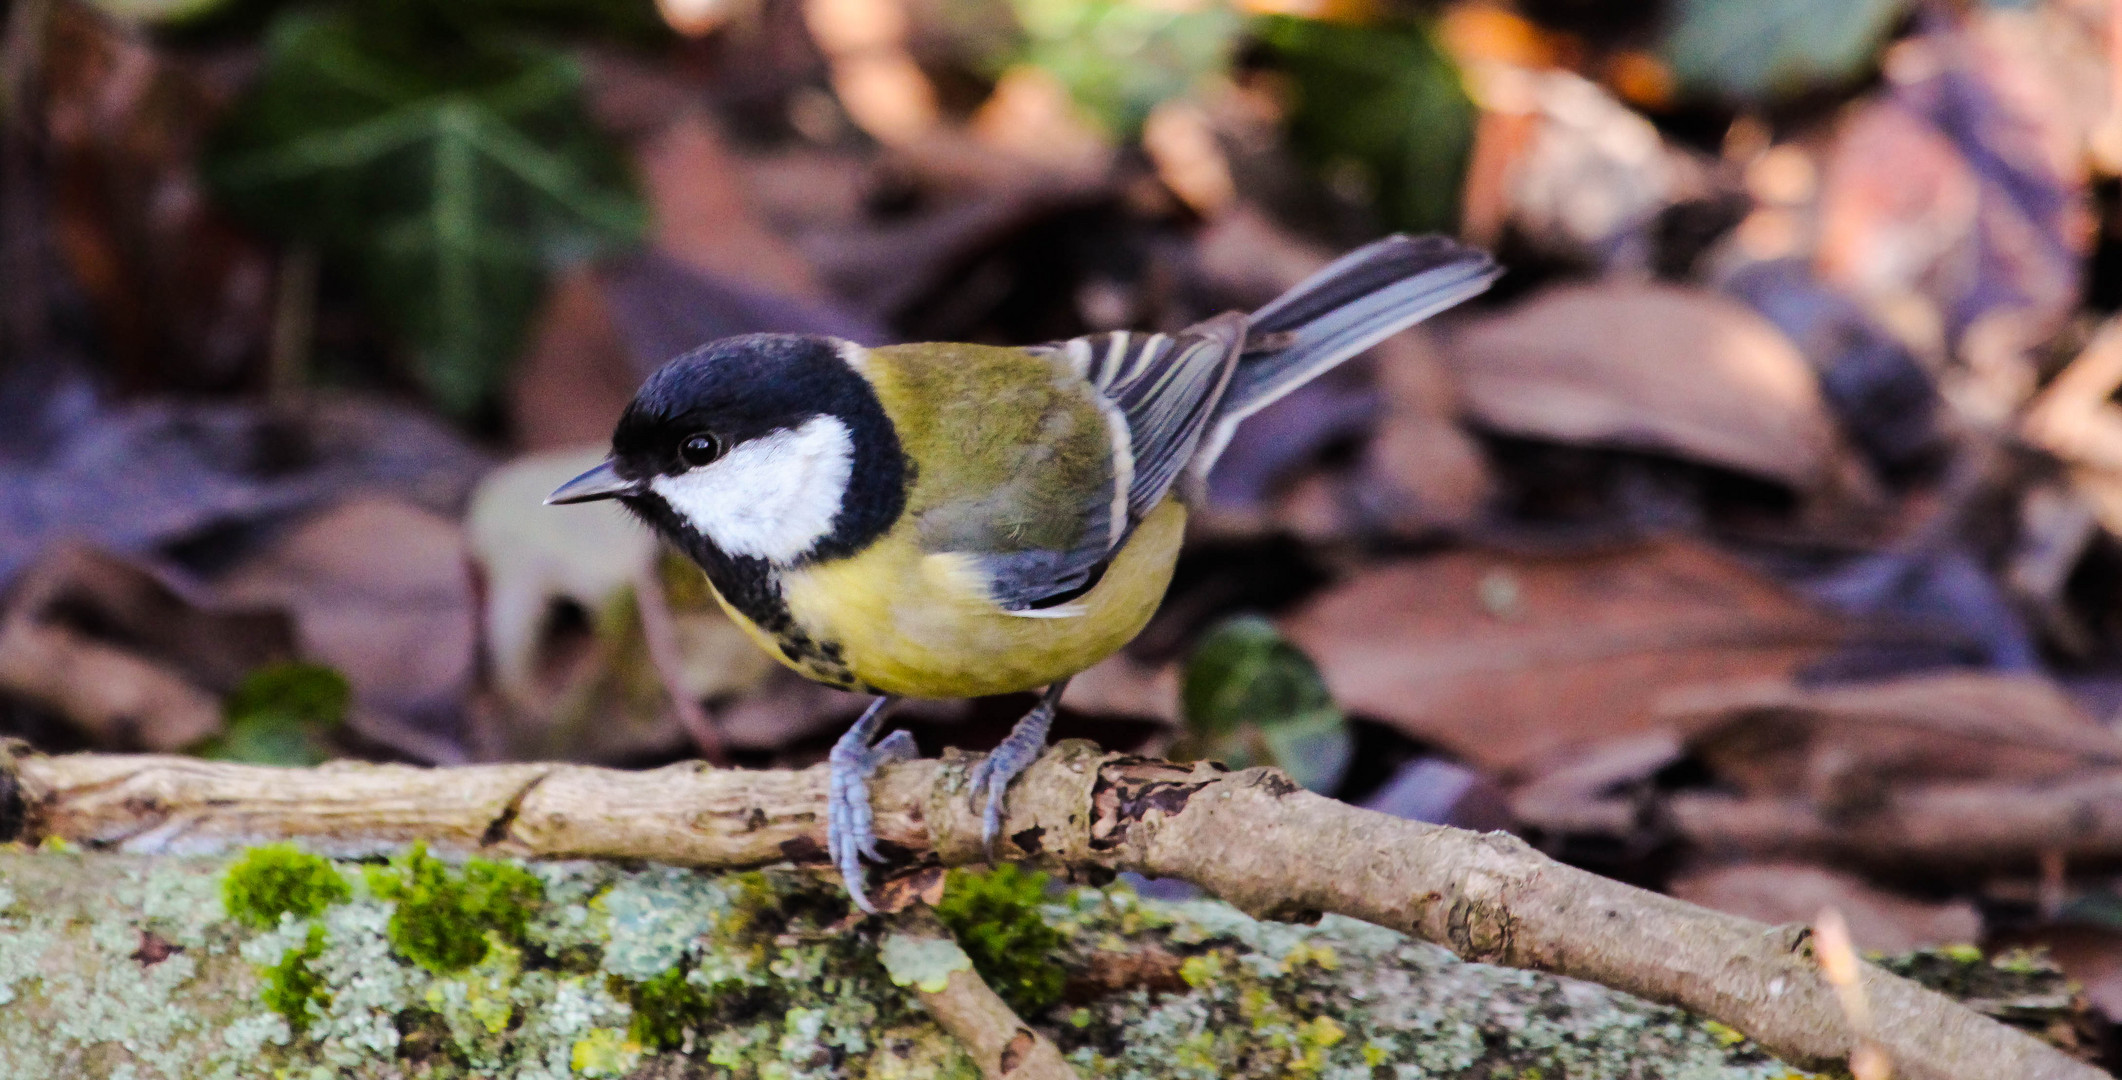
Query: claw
x=850 y=824
x=992 y=776
x=897 y=746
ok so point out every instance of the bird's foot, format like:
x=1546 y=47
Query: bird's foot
x=1015 y=754
x=850 y=832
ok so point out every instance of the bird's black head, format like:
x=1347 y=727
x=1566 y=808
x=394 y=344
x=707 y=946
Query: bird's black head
x=768 y=446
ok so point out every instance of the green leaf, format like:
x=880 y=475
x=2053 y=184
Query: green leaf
x=1252 y=698
x=2099 y=908
x=1753 y=50
x=1381 y=103
x=448 y=168
x=282 y=714
x=1313 y=748
x=1120 y=58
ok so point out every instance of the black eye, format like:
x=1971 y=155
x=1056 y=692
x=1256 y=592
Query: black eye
x=699 y=449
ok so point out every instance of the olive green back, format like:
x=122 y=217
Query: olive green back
x=1012 y=452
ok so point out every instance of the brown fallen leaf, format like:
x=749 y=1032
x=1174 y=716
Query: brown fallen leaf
x=1778 y=893
x=1960 y=827
x=603 y=331
x=704 y=216
x=1505 y=658
x=922 y=885
x=1649 y=367
x=720 y=265
x=207 y=640
x=154 y=474
x=1897 y=195
x=119 y=700
x=1600 y=790
x=575 y=376
x=1246 y=254
x=1181 y=141
x=1431 y=475
x=381 y=591
x=130 y=656
x=1845 y=746
x=1120 y=685
x=783 y=709
x=875 y=78
x=1421 y=470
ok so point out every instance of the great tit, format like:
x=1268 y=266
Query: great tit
x=948 y=520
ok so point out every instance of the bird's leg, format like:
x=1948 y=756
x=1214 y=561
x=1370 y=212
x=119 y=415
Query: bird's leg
x=1013 y=756
x=849 y=832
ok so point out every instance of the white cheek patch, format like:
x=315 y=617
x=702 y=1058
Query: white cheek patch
x=773 y=497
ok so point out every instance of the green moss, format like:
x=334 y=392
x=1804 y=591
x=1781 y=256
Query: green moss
x=444 y=917
x=996 y=918
x=280 y=879
x=282 y=714
x=293 y=988
x=665 y=1007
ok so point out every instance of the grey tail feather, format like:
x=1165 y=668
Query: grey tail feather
x=1359 y=300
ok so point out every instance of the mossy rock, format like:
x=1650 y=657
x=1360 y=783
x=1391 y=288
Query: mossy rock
x=135 y=968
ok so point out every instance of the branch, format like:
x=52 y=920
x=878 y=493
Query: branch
x=963 y=1004
x=1252 y=838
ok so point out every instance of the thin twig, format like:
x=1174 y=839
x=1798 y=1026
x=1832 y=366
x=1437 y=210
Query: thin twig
x=294 y=328
x=1003 y=1045
x=660 y=630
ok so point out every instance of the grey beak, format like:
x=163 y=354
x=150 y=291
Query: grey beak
x=598 y=483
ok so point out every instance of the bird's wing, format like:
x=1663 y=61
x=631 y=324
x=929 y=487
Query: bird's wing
x=1032 y=465
x=1164 y=389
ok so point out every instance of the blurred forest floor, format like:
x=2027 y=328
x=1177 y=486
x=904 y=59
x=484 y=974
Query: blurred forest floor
x=1758 y=539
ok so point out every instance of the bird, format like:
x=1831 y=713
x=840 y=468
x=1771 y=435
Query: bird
x=948 y=520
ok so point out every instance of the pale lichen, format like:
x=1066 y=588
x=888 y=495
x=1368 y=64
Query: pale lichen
x=127 y=967
x=922 y=963
x=656 y=917
x=1346 y=999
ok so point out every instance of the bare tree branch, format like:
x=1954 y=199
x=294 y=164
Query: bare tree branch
x=1252 y=838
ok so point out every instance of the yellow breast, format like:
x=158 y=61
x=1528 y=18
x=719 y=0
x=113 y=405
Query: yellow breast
x=916 y=624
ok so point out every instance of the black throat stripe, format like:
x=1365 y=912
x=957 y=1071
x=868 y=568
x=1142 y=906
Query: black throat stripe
x=751 y=586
